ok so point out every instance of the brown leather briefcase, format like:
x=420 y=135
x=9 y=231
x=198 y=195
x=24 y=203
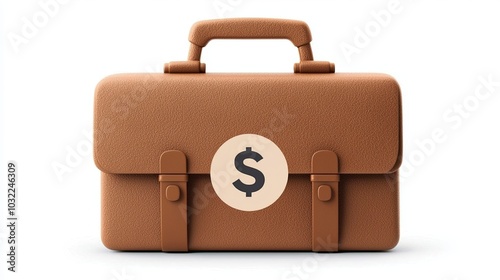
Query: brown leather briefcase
x=292 y=161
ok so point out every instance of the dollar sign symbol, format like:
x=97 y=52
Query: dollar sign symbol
x=258 y=176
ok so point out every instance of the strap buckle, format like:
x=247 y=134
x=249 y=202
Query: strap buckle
x=173 y=201
x=325 y=201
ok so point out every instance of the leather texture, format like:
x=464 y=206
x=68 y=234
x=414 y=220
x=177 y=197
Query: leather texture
x=355 y=115
x=350 y=206
x=368 y=209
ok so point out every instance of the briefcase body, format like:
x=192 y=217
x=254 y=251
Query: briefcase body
x=195 y=161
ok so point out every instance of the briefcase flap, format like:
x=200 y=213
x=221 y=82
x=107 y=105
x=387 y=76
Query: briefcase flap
x=139 y=116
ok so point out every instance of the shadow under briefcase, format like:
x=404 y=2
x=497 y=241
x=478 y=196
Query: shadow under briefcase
x=292 y=161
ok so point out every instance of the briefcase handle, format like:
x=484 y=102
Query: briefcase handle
x=250 y=28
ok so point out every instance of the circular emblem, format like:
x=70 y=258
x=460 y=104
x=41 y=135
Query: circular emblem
x=249 y=172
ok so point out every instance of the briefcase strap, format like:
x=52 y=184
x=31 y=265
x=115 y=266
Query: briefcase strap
x=173 y=201
x=325 y=201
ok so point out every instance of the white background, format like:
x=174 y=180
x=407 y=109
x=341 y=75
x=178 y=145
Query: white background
x=437 y=50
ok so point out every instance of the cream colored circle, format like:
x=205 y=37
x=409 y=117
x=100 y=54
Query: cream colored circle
x=273 y=166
